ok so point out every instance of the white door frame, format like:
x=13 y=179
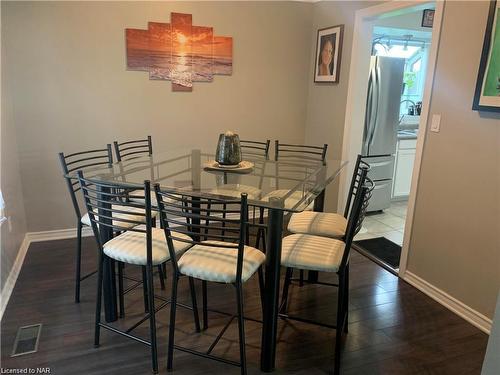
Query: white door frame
x=356 y=99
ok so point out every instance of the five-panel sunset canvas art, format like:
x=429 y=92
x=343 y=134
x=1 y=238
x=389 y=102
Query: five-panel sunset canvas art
x=179 y=52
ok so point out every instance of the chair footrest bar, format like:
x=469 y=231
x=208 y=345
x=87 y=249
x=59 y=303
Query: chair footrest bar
x=219 y=336
x=88 y=275
x=228 y=314
x=128 y=335
x=130 y=288
x=309 y=321
x=209 y=356
x=146 y=318
x=305 y=281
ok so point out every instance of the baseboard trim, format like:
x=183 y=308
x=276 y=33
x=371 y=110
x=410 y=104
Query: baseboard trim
x=29 y=238
x=13 y=274
x=59 y=234
x=461 y=309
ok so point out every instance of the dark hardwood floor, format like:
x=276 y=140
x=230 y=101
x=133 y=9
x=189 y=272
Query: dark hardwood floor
x=393 y=328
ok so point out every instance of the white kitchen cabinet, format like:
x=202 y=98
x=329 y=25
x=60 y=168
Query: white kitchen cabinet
x=403 y=168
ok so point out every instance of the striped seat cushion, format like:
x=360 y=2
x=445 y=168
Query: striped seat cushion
x=212 y=263
x=318 y=223
x=130 y=247
x=307 y=252
x=86 y=218
x=235 y=191
x=291 y=201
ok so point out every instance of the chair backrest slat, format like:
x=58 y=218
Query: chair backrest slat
x=286 y=150
x=80 y=161
x=108 y=207
x=255 y=148
x=142 y=147
x=203 y=220
x=357 y=213
x=360 y=164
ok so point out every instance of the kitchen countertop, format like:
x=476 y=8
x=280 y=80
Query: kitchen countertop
x=407 y=134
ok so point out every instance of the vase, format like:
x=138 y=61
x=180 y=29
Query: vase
x=228 y=149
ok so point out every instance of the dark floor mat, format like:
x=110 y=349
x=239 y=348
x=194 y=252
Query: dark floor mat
x=383 y=249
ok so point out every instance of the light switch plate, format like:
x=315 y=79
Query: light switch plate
x=436 y=123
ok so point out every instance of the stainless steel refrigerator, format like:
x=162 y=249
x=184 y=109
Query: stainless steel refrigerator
x=385 y=87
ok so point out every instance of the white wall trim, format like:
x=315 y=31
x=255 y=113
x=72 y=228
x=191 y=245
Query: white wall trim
x=351 y=146
x=14 y=273
x=30 y=237
x=59 y=234
x=458 y=307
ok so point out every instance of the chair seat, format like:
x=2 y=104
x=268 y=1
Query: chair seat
x=291 y=201
x=86 y=218
x=315 y=253
x=318 y=223
x=130 y=247
x=235 y=190
x=212 y=263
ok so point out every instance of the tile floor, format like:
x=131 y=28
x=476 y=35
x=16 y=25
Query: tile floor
x=389 y=224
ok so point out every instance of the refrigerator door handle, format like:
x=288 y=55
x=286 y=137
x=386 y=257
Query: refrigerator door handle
x=369 y=112
x=377 y=95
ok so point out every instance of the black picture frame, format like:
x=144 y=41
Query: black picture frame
x=335 y=34
x=428 y=18
x=483 y=65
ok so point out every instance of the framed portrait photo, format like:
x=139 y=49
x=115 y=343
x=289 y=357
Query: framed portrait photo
x=487 y=95
x=428 y=18
x=328 y=54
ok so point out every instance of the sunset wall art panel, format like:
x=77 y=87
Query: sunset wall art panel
x=179 y=52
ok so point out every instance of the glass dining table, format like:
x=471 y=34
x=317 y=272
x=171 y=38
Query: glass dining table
x=291 y=184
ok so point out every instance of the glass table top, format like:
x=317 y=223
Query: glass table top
x=291 y=183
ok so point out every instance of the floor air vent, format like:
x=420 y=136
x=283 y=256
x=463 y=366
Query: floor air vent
x=26 y=340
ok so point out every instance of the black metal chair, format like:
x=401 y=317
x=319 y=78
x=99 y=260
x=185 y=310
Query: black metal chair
x=133 y=149
x=322 y=254
x=140 y=244
x=218 y=254
x=255 y=148
x=286 y=150
x=325 y=223
x=71 y=163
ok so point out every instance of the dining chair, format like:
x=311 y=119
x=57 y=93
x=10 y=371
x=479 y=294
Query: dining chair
x=133 y=149
x=329 y=224
x=218 y=254
x=255 y=148
x=139 y=244
x=71 y=163
x=323 y=254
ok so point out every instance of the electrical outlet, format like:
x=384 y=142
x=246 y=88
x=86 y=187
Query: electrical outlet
x=436 y=123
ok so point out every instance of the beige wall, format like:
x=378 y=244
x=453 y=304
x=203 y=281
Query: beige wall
x=326 y=102
x=14 y=228
x=455 y=241
x=72 y=90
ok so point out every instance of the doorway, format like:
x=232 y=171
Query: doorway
x=393 y=60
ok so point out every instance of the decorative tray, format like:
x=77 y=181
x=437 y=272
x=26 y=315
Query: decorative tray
x=242 y=167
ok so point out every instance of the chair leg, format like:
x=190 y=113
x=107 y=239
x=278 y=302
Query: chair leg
x=145 y=289
x=205 y=303
x=194 y=304
x=301 y=278
x=97 y=328
x=161 y=275
x=152 y=318
x=120 y=290
x=261 y=287
x=171 y=328
x=346 y=299
x=286 y=286
x=340 y=328
x=241 y=328
x=78 y=261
